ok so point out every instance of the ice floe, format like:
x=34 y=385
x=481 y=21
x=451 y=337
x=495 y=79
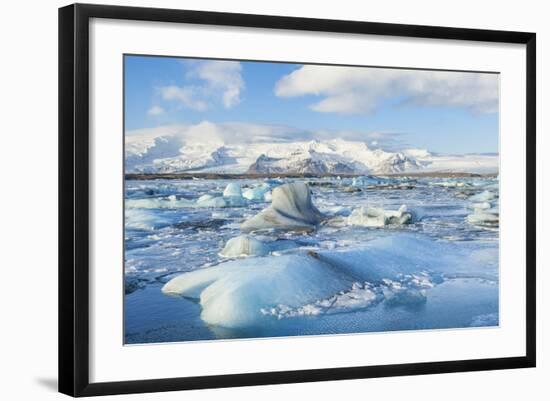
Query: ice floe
x=378 y=217
x=232 y=294
x=233 y=190
x=168 y=202
x=398 y=268
x=448 y=184
x=291 y=209
x=138 y=219
x=257 y=193
x=483 y=196
x=483 y=218
x=480 y=206
x=484 y=214
x=211 y=201
x=370 y=181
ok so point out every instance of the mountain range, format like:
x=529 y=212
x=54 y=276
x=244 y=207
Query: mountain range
x=173 y=153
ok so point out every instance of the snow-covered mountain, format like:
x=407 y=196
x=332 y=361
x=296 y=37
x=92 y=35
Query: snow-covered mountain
x=332 y=157
x=188 y=151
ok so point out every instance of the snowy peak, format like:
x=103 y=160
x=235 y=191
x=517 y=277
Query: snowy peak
x=184 y=151
x=334 y=158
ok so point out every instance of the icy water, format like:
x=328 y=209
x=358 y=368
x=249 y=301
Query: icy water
x=167 y=234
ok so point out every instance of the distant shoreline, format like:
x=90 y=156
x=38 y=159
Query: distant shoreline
x=227 y=176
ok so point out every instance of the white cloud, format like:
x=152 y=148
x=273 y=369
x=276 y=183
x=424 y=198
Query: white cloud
x=218 y=81
x=250 y=133
x=188 y=96
x=362 y=90
x=155 y=111
x=222 y=76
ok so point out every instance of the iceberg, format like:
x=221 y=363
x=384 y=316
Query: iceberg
x=448 y=184
x=232 y=197
x=480 y=206
x=232 y=190
x=291 y=209
x=170 y=202
x=244 y=245
x=235 y=201
x=205 y=198
x=211 y=201
x=483 y=218
x=484 y=214
x=257 y=193
x=251 y=291
x=365 y=181
x=145 y=220
x=232 y=294
x=378 y=217
x=483 y=196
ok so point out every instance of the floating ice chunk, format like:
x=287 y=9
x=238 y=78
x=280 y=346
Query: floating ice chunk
x=483 y=196
x=248 y=292
x=244 y=245
x=366 y=181
x=143 y=220
x=256 y=193
x=232 y=294
x=448 y=184
x=483 y=218
x=377 y=217
x=232 y=189
x=337 y=211
x=483 y=215
x=235 y=201
x=480 y=206
x=205 y=197
x=170 y=202
x=291 y=210
x=211 y=201
x=368 y=217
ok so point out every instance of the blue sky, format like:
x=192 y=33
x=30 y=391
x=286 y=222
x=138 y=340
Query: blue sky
x=446 y=112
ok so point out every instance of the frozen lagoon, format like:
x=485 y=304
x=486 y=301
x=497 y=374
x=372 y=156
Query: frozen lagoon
x=168 y=234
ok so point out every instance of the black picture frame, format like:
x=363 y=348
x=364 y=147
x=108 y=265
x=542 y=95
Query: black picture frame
x=74 y=198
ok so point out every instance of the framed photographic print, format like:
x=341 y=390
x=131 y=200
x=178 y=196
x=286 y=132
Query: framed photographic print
x=249 y=199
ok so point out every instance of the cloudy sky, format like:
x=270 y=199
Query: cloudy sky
x=447 y=112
